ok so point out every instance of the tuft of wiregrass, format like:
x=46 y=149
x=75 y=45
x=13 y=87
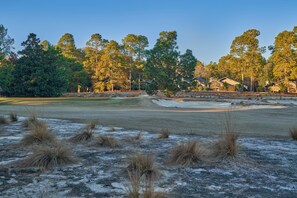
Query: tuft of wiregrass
x=105 y=141
x=137 y=137
x=293 y=133
x=143 y=165
x=142 y=175
x=87 y=134
x=3 y=120
x=48 y=157
x=186 y=154
x=164 y=134
x=13 y=117
x=32 y=120
x=38 y=134
x=226 y=146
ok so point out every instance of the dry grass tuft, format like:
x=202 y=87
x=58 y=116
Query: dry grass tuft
x=143 y=165
x=30 y=121
x=164 y=134
x=106 y=141
x=226 y=146
x=141 y=184
x=86 y=135
x=48 y=157
x=186 y=154
x=38 y=134
x=293 y=133
x=3 y=120
x=13 y=117
x=137 y=137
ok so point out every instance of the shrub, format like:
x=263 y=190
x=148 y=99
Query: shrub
x=13 y=117
x=38 y=134
x=48 y=157
x=3 y=120
x=164 y=134
x=106 y=141
x=137 y=137
x=85 y=135
x=186 y=154
x=293 y=133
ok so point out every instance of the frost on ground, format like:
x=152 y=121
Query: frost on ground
x=239 y=104
x=265 y=167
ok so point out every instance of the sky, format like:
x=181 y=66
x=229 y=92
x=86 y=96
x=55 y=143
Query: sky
x=207 y=27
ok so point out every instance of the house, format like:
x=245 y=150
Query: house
x=226 y=84
x=292 y=87
x=277 y=87
x=201 y=82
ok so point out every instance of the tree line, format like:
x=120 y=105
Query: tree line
x=43 y=69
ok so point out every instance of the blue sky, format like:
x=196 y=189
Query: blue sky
x=207 y=27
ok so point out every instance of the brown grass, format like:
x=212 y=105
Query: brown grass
x=38 y=134
x=137 y=137
x=226 y=145
x=13 y=117
x=186 y=154
x=3 y=120
x=164 y=134
x=106 y=141
x=136 y=192
x=30 y=121
x=86 y=135
x=293 y=133
x=48 y=157
x=144 y=165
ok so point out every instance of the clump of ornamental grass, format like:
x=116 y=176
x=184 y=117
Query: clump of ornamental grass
x=38 y=134
x=142 y=175
x=143 y=165
x=3 y=120
x=13 y=117
x=186 y=154
x=86 y=134
x=226 y=146
x=137 y=137
x=48 y=157
x=105 y=141
x=32 y=120
x=140 y=188
x=164 y=134
x=293 y=133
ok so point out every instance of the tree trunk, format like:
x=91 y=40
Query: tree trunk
x=252 y=86
x=139 y=81
x=130 y=80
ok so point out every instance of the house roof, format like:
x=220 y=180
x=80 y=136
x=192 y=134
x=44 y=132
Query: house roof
x=229 y=81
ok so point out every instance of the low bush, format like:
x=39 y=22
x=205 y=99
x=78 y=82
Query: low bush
x=13 y=117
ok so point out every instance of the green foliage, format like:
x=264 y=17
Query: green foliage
x=5 y=42
x=167 y=70
x=284 y=56
x=134 y=48
x=31 y=75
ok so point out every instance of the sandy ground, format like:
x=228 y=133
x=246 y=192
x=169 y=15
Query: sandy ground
x=142 y=114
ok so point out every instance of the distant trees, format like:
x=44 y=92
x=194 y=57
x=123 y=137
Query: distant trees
x=166 y=69
x=37 y=72
x=284 y=57
x=41 y=69
x=6 y=62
